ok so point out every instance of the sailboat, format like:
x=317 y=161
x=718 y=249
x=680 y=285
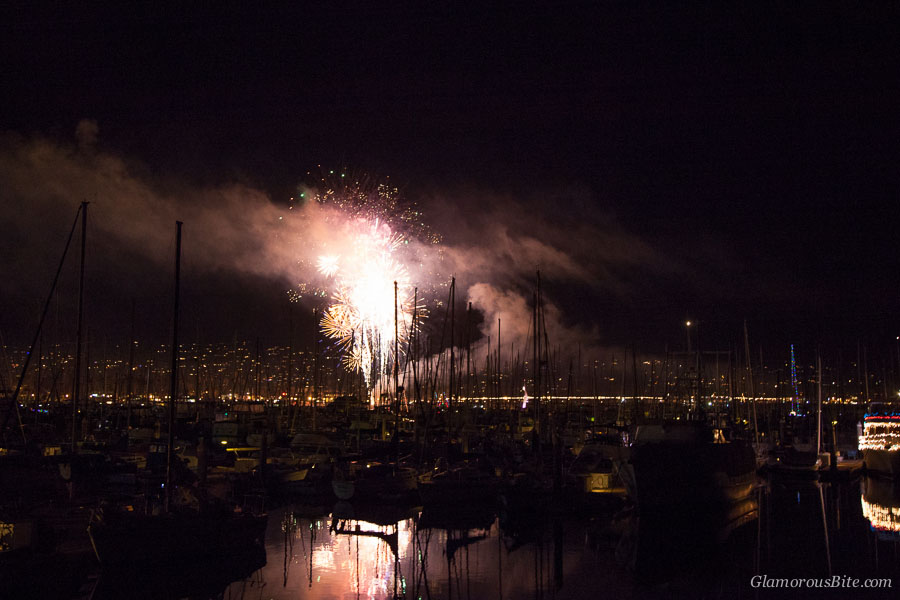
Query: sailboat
x=798 y=458
x=125 y=539
x=687 y=463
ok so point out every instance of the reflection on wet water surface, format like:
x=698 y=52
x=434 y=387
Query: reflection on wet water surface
x=786 y=528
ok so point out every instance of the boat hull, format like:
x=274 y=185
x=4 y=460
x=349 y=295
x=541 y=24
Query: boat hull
x=883 y=462
x=664 y=474
x=121 y=540
x=459 y=487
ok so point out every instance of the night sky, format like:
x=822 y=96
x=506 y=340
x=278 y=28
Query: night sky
x=707 y=162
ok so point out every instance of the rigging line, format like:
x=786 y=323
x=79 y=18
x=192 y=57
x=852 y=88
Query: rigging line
x=15 y=397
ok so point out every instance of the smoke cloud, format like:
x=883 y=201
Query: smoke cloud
x=232 y=227
x=496 y=244
x=493 y=244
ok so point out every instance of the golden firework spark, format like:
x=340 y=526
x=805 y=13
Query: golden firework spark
x=361 y=315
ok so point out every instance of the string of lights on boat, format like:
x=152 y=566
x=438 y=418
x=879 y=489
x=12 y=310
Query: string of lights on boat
x=880 y=432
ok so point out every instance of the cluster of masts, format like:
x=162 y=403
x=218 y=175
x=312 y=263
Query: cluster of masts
x=447 y=371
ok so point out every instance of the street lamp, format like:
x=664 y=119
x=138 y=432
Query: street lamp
x=688 y=331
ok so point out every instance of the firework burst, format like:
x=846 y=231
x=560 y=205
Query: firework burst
x=329 y=264
x=364 y=257
x=361 y=315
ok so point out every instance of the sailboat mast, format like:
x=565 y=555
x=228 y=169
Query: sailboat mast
x=76 y=392
x=129 y=380
x=256 y=390
x=396 y=369
x=315 y=405
x=819 y=411
x=452 y=344
x=414 y=339
x=396 y=351
x=536 y=371
x=290 y=364
x=37 y=395
x=170 y=449
x=469 y=350
x=497 y=369
x=752 y=392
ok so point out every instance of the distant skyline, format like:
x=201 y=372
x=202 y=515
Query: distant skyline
x=220 y=370
x=657 y=164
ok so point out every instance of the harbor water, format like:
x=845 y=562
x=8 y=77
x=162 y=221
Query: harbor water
x=790 y=539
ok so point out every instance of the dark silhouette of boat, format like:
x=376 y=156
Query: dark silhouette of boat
x=122 y=538
x=374 y=482
x=209 y=579
x=460 y=486
x=681 y=463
